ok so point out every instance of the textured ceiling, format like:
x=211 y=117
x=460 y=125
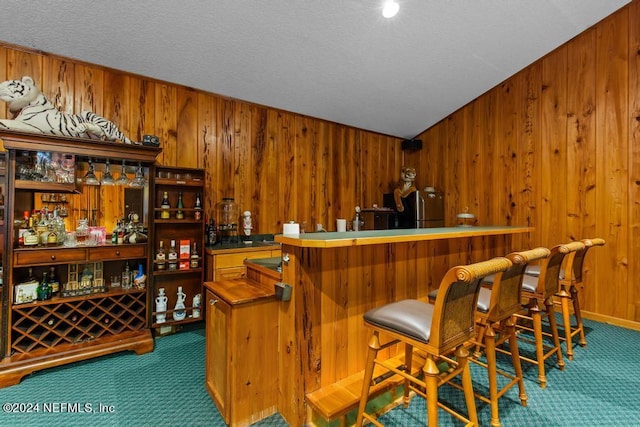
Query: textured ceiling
x=338 y=60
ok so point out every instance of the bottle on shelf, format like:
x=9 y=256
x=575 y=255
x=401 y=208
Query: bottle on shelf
x=195 y=258
x=54 y=283
x=82 y=231
x=197 y=213
x=165 y=213
x=126 y=276
x=212 y=235
x=179 y=311
x=197 y=302
x=180 y=206
x=161 y=306
x=172 y=256
x=43 y=288
x=161 y=257
x=140 y=278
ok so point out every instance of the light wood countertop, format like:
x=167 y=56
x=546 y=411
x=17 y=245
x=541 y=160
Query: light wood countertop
x=376 y=237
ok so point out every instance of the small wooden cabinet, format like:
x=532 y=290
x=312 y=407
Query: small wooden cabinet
x=228 y=263
x=241 y=366
x=184 y=225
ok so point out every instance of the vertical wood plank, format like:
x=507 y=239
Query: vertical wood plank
x=187 y=128
x=612 y=151
x=165 y=123
x=633 y=302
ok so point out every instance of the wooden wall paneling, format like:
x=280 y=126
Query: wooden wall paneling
x=553 y=161
x=344 y=174
x=273 y=195
x=320 y=173
x=456 y=194
x=58 y=82
x=580 y=136
x=166 y=122
x=116 y=100
x=359 y=288
x=141 y=108
x=633 y=302
x=334 y=317
x=257 y=144
x=530 y=152
x=89 y=89
x=242 y=158
x=581 y=145
x=186 y=150
x=507 y=188
x=283 y=177
x=366 y=172
x=491 y=152
x=206 y=144
x=305 y=170
x=612 y=140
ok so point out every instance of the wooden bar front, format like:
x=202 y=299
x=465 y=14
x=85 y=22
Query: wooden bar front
x=337 y=277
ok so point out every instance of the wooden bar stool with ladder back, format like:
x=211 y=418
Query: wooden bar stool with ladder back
x=571 y=282
x=438 y=332
x=497 y=306
x=498 y=302
x=538 y=293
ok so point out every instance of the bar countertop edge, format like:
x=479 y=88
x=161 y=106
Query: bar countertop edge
x=375 y=237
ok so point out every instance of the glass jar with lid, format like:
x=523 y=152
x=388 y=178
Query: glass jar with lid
x=227 y=217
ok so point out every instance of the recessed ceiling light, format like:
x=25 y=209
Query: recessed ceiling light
x=390 y=8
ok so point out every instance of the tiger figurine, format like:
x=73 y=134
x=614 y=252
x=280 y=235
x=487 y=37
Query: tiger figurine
x=34 y=113
x=405 y=187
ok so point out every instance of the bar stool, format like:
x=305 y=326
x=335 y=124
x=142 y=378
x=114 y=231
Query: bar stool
x=543 y=288
x=439 y=330
x=496 y=308
x=569 y=292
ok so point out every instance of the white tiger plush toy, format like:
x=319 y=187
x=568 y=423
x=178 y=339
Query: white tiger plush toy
x=34 y=113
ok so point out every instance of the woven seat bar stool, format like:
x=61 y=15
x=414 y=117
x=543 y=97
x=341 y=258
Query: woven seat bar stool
x=438 y=330
x=541 y=289
x=570 y=281
x=496 y=308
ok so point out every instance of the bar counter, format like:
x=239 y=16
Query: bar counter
x=337 y=277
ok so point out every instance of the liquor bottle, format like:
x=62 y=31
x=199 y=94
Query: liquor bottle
x=180 y=206
x=52 y=232
x=195 y=258
x=126 y=276
x=54 y=283
x=160 y=257
x=43 y=288
x=197 y=214
x=212 y=232
x=165 y=206
x=121 y=232
x=24 y=226
x=173 y=256
x=30 y=238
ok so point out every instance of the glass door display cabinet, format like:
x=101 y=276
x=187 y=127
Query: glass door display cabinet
x=76 y=251
x=178 y=240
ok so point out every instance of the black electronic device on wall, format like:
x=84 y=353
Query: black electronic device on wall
x=412 y=144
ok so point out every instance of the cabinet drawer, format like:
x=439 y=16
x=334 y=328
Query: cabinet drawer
x=48 y=257
x=117 y=252
x=230 y=273
x=234 y=260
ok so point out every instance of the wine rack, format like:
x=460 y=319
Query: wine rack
x=70 y=321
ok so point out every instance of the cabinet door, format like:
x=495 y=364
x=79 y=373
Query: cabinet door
x=216 y=359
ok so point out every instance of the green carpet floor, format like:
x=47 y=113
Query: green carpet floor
x=601 y=387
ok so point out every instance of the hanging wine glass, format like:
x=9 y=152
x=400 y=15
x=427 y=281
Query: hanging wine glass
x=138 y=180
x=107 y=178
x=90 y=178
x=123 y=179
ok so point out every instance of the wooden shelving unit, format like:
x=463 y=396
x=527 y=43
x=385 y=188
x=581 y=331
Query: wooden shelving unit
x=95 y=321
x=190 y=183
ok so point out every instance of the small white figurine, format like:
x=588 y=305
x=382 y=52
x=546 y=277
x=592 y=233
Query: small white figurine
x=246 y=223
x=196 y=305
